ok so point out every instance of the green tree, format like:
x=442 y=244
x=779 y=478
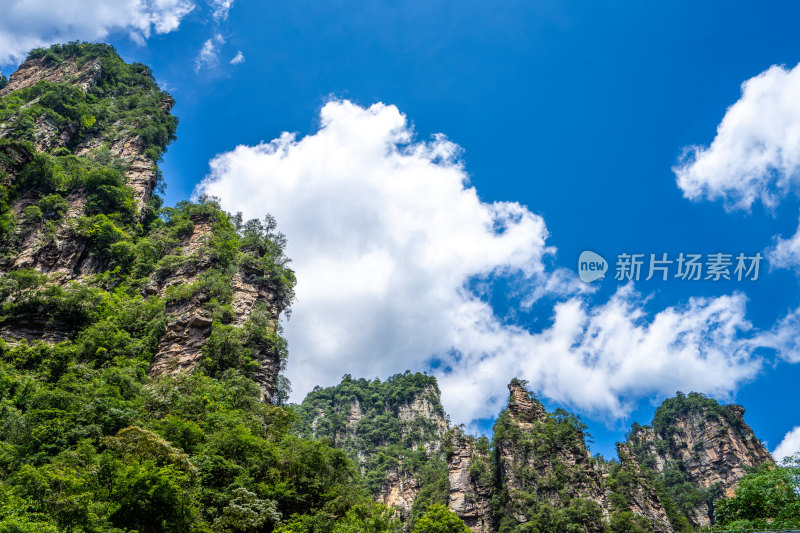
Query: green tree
x=368 y=518
x=769 y=498
x=440 y=519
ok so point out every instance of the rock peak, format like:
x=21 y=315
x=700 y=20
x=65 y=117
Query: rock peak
x=521 y=406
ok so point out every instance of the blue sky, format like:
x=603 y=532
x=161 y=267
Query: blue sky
x=576 y=110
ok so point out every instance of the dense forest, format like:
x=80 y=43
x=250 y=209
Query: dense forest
x=104 y=428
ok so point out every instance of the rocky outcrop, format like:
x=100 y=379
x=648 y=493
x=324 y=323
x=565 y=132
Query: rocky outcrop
x=539 y=472
x=64 y=252
x=641 y=495
x=543 y=458
x=181 y=347
x=68 y=247
x=388 y=428
x=399 y=490
x=522 y=409
x=471 y=482
x=422 y=427
x=709 y=444
x=79 y=74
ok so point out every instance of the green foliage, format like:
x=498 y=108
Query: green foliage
x=674 y=409
x=439 y=519
x=434 y=491
x=368 y=518
x=53 y=206
x=32 y=214
x=540 y=463
x=768 y=499
x=363 y=418
x=3 y=81
x=124 y=94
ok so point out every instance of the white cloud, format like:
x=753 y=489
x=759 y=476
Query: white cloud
x=27 y=24
x=385 y=233
x=209 y=52
x=220 y=8
x=756 y=152
x=785 y=253
x=783 y=337
x=789 y=446
x=238 y=58
x=601 y=360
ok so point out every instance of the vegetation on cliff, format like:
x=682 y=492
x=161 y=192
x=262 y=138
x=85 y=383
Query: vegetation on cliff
x=546 y=479
x=395 y=425
x=91 y=439
x=90 y=442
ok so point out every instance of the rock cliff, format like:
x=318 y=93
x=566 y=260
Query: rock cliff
x=471 y=481
x=537 y=473
x=81 y=133
x=395 y=430
x=696 y=440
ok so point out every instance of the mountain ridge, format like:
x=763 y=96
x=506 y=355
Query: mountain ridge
x=533 y=457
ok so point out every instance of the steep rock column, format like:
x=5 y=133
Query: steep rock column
x=65 y=252
x=708 y=444
x=471 y=478
x=543 y=463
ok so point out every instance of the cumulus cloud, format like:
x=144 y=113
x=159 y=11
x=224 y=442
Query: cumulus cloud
x=238 y=58
x=27 y=24
x=789 y=446
x=601 y=360
x=209 y=52
x=755 y=155
x=388 y=238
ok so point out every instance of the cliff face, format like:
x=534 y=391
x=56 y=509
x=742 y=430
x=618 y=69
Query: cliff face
x=80 y=136
x=543 y=465
x=395 y=430
x=48 y=130
x=538 y=475
x=471 y=481
x=631 y=494
x=701 y=442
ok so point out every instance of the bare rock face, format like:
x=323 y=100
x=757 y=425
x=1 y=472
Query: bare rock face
x=423 y=410
x=69 y=71
x=709 y=444
x=399 y=490
x=521 y=407
x=470 y=495
x=180 y=348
